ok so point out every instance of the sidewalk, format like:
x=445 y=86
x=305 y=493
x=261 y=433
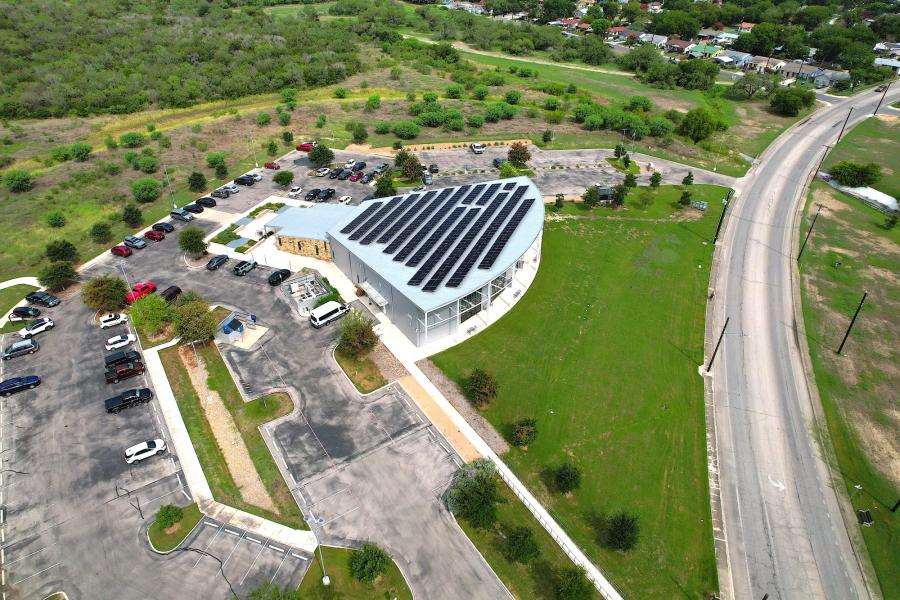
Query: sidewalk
x=193 y=472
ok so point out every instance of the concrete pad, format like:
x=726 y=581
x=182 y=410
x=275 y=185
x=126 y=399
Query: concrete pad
x=250 y=337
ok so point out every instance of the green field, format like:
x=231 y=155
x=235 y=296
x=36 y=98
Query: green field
x=858 y=388
x=873 y=140
x=603 y=352
x=392 y=585
x=164 y=542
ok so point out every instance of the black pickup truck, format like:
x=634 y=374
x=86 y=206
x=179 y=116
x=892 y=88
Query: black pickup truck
x=128 y=399
x=116 y=373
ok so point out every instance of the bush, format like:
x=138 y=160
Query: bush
x=480 y=387
x=168 y=515
x=132 y=215
x=480 y=92
x=551 y=103
x=855 y=175
x=194 y=321
x=272 y=146
x=368 y=563
x=150 y=313
x=360 y=134
x=191 y=241
x=406 y=130
x=221 y=171
x=622 y=532
x=567 y=478
x=196 y=181
x=383 y=127
x=630 y=180
x=341 y=92
x=18 y=180
x=81 y=151
x=525 y=430
x=263 y=119
x=284 y=118
x=475 y=121
x=507 y=170
x=358 y=335
x=101 y=232
x=373 y=102
x=61 y=250
x=791 y=101
x=512 y=96
x=60 y=153
x=473 y=494
x=698 y=124
x=429 y=97
x=214 y=159
x=321 y=155
x=57 y=275
x=105 y=292
x=148 y=164
x=132 y=139
x=111 y=143
x=55 y=219
x=287 y=137
x=283 y=178
x=146 y=189
x=455 y=91
x=660 y=127
x=573 y=584
x=520 y=546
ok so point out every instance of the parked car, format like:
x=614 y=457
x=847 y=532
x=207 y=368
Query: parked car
x=221 y=193
x=112 y=319
x=19 y=384
x=120 y=341
x=498 y=162
x=311 y=194
x=155 y=236
x=206 y=201
x=139 y=452
x=231 y=188
x=254 y=176
x=272 y=165
x=380 y=168
x=427 y=179
x=322 y=172
x=368 y=177
x=345 y=200
x=881 y=88
x=118 y=358
x=477 y=148
x=127 y=399
x=193 y=208
x=328 y=312
x=325 y=194
x=357 y=176
x=134 y=242
x=278 y=276
x=335 y=173
x=418 y=188
x=42 y=299
x=433 y=168
x=181 y=214
x=123 y=251
x=345 y=174
x=23 y=313
x=163 y=227
x=216 y=261
x=117 y=373
x=245 y=180
x=35 y=327
x=244 y=267
x=295 y=192
x=20 y=348
x=171 y=293
x=359 y=166
x=139 y=291
x=307 y=146
x=349 y=164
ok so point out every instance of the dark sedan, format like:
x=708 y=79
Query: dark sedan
x=19 y=384
x=42 y=298
x=193 y=208
x=206 y=201
x=164 y=227
x=311 y=194
x=278 y=276
x=335 y=173
x=216 y=261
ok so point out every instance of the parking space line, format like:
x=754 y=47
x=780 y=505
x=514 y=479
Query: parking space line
x=224 y=562
x=276 y=548
x=254 y=540
x=237 y=533
x=211 y=524
x=341 y=515
x=27 y=555
x=275 y=574
x=241 y=582
x=332 y=495
x=35 y=574
x=295 y=555
x=208 y=545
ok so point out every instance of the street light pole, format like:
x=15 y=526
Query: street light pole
x=718 y=343
x=849 y=112
x=214 y=557
x=313 y=522
x=852 y=322
x=882 y=98
x=824 y=155
x=811 y=225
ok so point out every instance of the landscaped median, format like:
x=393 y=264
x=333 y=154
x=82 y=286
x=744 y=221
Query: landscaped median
x=169 y=529
x=339 y=564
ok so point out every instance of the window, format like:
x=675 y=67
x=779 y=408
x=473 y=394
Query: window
x=317 y=249
x=469 y=306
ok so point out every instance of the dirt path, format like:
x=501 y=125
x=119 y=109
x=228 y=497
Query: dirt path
x=227 y=437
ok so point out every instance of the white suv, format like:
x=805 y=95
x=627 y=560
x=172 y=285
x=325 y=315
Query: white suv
x=35 y=327
x=144 y=450
x=477 y=148
x=112 y=319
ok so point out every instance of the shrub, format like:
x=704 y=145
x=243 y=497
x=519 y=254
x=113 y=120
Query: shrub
x=221 y=171
x=551 y=103
x=341 y=92
x=525 y=430
x=512 y=96
x=855 y=175
x=383 y=127
x=194 y=321
x=196 y=181
x=146 y=190
x=284 y=118
x=547 y=136
x=360 y=134
x=168 y=515
x=61 y=250
x=660 y=127
x=567 y=478
x=507 y=170
x=406 y=130
x=283 y=178
x=639 y=103
x=791 y=101
x=101 y=232
x=622 y=532
x=148 y=164
x=475 y=121
x=105 y=292
x=18 y=180
x=287 y=137
x=111 y=143
x=698 y=124
x=191 y=241
x=132 y=139
x=358 y=335
x=429 y=97
x=55 y=219
x=573 y=584
x=60 y=153
x=150 y=313
x=373 y=102
x=272 y=147
x=213 y=159
x=263 y=119
x=132 y=215
x=368 y=563
x=473 y=493
x=520 y=546
x=480 y=387
x=455 y=91
x=480 y=92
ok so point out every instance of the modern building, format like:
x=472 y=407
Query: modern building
x=429 y=260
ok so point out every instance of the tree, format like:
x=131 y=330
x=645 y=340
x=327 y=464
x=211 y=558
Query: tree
x=630 y=180
x=146 y=189
x=507 y=170
x=791 y=101
x=105 y=292
x=655 y=179
x=557 y=9
x=518 y=154
x=626 y=161
x=284 y=118
x=284 y=178
x=567 y=478
x=524 y=431
x=685 y=199
x=194 y=322
x=698 y=124
x=358 y=335
x=547 y=136
x=384 y=187
x=619 y=193
x=287 y=137
x=321 y=155
x=61 y=250
x=573 y=584
x=619 y=151
x=191 y=241
x=168 y=515
x=481 y=387
x=197 y=181
x=560 y=198
x=272 y=146
x=593 y=50
x=688 y=179
x=746 y=87
x=213 y=159
x=409 y=165
x=591 y=197
x=101 y=232
x=360 y=134
x=18 y=180
x=80 y=151
x=406 y=130
x=520 y=546
x=221 y=171
x=622 y=532
x=263 y=119
x=150 y=313
x=480 y=92
x=57 y=275
x=368 y=563
x=855 y=175
x=473 y=493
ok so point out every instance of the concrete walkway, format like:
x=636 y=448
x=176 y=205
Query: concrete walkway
x=193 y=472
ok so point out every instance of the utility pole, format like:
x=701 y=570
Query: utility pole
x=718 y=343
x=849 y=112
x=811 y=225
x=726 y=202
x=852 y=321
x=169 y=184
x=824 y=155
x=882 y=98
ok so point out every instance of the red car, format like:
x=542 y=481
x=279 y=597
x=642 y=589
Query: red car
x=272 y=165
x=156 y=236
x=121 y=251
x=139 y=291
x=306 y=146
x=357 y=176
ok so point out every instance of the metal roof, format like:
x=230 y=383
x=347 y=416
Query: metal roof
x=309 y=223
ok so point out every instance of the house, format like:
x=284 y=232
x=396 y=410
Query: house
x=614 y=32
x=657 y=40
x=726 y=39
x=705 y=51
x=707 y=34
x=585 y=27
x=679 y=46
x=739 y=59
x=654 y=8
x=745 y=27
x=763 y=64
x=887 y=48
x=816 y=75
x=724 y=60
x=630 y=35
x=567 y=23
x=893 y=63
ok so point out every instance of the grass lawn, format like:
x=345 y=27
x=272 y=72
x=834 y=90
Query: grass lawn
x=343 y=587
x=163 y=541
x=227 y=235
x=603 y=352
x=9 y=297
x=247 y=416
x=873 y=140
x=362 y=371
x=620 y=165
x=858 y=388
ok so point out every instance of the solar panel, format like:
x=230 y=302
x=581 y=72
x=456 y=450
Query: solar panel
x=461 y=191
x=436 y=234
x=509 y=186
x=488 y=261
x=475 y=191
x=469 y=261
x=439 y=252
x=392 y=216
x=488 y=194
x=463 y=244
x=430 y=208
x=360 y=217
x=374 y=219
x=406 y=217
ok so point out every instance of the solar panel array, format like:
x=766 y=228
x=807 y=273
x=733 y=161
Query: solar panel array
x=439 y=231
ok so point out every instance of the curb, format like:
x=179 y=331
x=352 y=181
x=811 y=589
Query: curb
x=178 y=545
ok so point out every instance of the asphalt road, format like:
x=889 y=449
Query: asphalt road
x=785 y=534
